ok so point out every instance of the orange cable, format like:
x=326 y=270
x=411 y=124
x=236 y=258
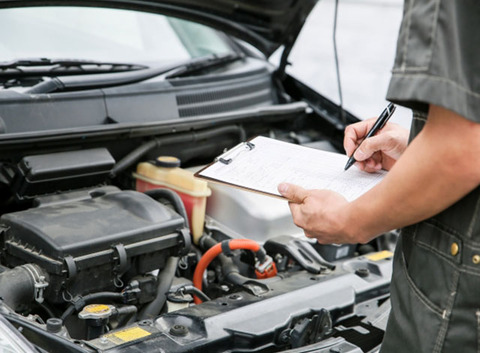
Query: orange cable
x=212 y=253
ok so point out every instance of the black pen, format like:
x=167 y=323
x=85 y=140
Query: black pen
x=381 y=121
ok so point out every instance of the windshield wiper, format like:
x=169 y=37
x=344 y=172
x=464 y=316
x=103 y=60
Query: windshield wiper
x=49 y=67
x=203 y=63
x=69 y=83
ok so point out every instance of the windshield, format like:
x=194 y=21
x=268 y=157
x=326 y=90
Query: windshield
x=104 y=34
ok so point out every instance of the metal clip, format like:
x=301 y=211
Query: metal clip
x=245 y=146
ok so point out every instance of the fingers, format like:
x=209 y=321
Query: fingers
x=372 y=165
x=372 y=145
x=293 y=193
x=392 y=139
x=355 y=133
x=389 y=143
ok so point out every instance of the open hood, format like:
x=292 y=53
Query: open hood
x=266 y=24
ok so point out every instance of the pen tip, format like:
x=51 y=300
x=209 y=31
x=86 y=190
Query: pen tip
x=349 y=163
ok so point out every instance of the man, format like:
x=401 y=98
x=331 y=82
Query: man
x=432 y=188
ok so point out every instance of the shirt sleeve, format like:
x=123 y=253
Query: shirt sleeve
x=438 y=57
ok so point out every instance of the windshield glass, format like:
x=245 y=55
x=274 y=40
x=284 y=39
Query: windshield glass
x=107 y=35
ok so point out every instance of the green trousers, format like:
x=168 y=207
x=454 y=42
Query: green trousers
x=435 y=287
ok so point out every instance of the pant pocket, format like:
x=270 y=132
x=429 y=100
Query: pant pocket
x=415 y=321
x=478 y=330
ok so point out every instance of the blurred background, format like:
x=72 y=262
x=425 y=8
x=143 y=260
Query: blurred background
x=366 y=42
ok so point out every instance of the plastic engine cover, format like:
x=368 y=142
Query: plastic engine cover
x=86 y=243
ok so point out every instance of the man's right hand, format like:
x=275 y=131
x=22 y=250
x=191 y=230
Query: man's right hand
x=377 y=152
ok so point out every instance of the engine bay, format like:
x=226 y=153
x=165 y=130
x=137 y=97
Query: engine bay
x=107 y=241
x=104 y=267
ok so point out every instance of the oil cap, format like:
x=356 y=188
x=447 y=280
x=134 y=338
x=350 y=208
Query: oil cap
x=167 y=162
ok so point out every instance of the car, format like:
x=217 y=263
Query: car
x=108 y=241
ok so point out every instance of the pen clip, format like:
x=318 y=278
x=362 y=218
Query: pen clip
x=247 y=146
x=390 y=110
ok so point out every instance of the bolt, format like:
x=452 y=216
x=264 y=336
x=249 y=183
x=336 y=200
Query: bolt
x=178 y=330
x=103 y=340
x=235 y=297
x=362 y=272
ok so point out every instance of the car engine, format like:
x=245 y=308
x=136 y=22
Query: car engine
x=98 y=267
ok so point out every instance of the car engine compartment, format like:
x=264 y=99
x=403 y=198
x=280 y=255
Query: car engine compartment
x=98 y=256
x=104 y=268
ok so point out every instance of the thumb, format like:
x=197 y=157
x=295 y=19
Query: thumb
x=293 y=193
x=369 y=146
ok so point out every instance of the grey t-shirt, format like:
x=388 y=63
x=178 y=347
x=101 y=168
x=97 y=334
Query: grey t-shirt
x=438 y=57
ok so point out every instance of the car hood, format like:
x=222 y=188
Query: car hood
x=266 y=24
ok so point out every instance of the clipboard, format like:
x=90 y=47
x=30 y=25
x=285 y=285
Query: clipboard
x=261 y=163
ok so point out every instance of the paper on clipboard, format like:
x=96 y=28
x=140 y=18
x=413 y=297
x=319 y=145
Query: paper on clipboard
x=262 y=163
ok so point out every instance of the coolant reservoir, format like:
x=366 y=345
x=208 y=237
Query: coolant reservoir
x=166 y=173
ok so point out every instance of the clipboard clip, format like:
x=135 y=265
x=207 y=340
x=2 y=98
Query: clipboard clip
x=245 y=146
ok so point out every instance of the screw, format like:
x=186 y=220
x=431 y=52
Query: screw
x=235 y=297
x=145 y=323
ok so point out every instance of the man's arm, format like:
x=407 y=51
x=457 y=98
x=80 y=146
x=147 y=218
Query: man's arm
x=439 y=167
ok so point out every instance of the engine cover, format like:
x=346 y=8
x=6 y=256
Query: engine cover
x=89 y=242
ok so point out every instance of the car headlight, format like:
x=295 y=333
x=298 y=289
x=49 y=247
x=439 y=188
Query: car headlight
x=11 y=341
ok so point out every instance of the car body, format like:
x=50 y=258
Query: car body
x=97 y=251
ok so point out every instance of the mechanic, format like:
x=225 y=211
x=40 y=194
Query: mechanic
x=432 y=188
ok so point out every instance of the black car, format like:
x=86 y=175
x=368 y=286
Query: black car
x=107 y=245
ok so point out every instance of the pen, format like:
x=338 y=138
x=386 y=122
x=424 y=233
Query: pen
x=381 y=121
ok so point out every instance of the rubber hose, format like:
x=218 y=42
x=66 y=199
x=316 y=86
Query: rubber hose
x=164 y=280
x=126 y=315
x=89 y=298
x=173 y=198
x=212 y=253
x=188 y=289
x=17 y=285
x=237 y=278
x=136 y=154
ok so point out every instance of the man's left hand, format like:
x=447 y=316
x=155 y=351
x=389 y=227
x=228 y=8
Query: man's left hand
x=320 y=213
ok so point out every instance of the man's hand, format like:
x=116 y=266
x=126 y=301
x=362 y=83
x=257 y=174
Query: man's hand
x=320 y=213
x=377 y=152
x=437 y=169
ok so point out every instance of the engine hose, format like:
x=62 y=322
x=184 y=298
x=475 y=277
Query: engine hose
x=136 y=154
x=213 y=252
x=173 y=198
x=126 y=314
x=189 y=289
x=21 y=285
x=165 y=279
x=80 y=302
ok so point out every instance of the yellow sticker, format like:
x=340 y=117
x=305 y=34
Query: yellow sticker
x=97 y=308
x=129 y=334
x=379 y=255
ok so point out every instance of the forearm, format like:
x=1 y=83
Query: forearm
x=438 y=168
